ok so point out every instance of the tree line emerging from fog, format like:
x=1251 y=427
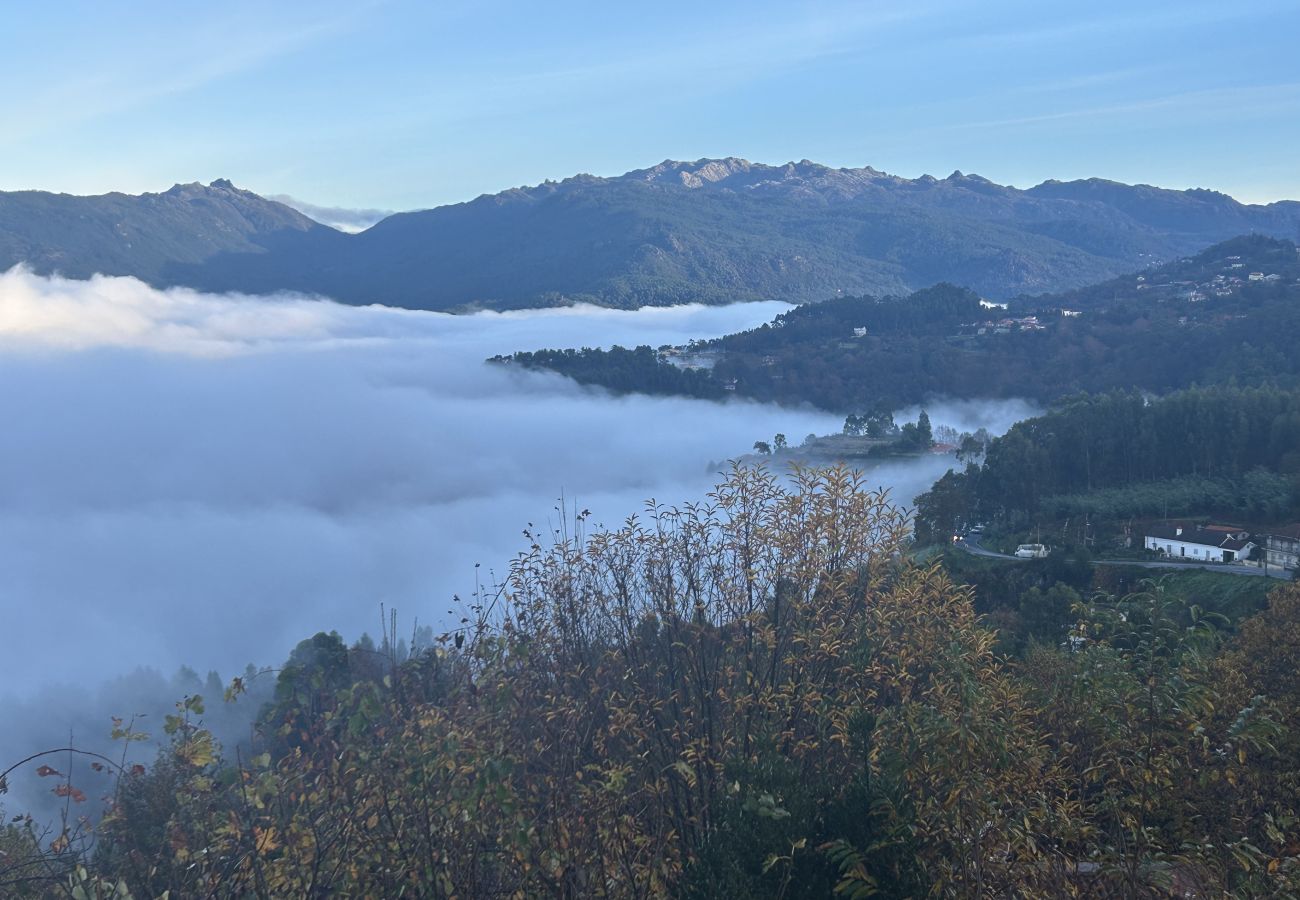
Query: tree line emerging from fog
x=1171 y=328
x=761 y=694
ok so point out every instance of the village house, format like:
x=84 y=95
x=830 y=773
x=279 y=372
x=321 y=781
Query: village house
x=1199 y=543
x=1282 y=547
x=688 y=360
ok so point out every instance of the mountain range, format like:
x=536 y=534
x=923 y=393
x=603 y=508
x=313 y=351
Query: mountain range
x=710 y=231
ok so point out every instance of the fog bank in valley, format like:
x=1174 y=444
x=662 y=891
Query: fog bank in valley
x=206 y=480
x=199 y=480
x=349 y=221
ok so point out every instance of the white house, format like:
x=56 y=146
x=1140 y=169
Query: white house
x=1199 y=543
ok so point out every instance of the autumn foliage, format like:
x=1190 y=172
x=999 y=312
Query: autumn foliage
x=758 y=695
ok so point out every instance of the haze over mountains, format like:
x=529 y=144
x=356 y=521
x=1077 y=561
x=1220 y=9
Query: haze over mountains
x=710 y=231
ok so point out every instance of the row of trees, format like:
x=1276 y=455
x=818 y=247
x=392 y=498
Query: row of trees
x=879 y=423
x=779 y=443
x=912 y=437
x=758 y=695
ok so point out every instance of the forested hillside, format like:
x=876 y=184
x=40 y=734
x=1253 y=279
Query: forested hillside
x=1226 y=451
x=1228 y=314
x=760 y=695
x=150 y=236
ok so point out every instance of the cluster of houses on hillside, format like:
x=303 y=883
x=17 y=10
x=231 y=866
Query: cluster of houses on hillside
x=1222 y=284
x=1006 y=325
x=1045 y=319
x=1278 y=548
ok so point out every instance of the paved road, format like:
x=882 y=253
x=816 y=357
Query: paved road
x=972 y=545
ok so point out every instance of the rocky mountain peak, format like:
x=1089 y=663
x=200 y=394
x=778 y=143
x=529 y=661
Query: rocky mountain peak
x=695 y=174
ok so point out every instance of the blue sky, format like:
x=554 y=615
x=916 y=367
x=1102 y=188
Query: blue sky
x=402 y=104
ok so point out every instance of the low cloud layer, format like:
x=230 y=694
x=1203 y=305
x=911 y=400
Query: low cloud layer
x=205 y=480
x=347 y=220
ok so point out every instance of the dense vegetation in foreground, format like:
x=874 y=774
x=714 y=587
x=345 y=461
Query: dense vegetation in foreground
x=1195 y=321
x=759 y=695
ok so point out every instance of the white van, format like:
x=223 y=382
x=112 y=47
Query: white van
x=1031 y=551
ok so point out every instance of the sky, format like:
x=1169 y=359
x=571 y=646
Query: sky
x=402 y=104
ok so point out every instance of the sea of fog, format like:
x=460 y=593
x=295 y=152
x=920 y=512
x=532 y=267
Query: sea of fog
x=189 y=479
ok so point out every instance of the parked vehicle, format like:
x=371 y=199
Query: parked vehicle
x=1032 y=551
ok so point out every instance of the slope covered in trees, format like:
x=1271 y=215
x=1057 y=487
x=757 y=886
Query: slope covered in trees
x=1212 y=451
x=1228 y=314
x=150 y=236
x=620 y=369
x=759 y=695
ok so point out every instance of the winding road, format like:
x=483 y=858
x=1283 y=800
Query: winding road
x=971 y=544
